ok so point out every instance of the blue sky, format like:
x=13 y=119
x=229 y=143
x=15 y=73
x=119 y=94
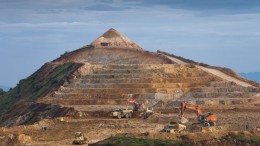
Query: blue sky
x=218 y=32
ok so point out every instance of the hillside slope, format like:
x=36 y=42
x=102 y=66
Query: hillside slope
x=224 y=73
x=107 y=73
x=20 y=100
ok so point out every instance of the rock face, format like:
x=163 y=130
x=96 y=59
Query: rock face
x=114 y=39
x=113 y=69
x=113 y=84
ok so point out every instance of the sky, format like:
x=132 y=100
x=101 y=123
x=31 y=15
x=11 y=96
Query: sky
x=223 y=33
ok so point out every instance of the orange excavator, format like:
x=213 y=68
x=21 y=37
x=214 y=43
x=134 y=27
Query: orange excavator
x=208 y=119
x=147 y=111
x=137 y=105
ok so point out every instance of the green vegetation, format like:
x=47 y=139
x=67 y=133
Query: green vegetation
x=255 y=139
x=124 y=139
x=1 y=91
x=46 y=79
x=132 y=141
x=239 y=136
x=242 y=137
x=64 y=54
x=34 y=119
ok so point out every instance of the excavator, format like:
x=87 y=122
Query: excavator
x=146 y=111
x=137 y=105
x=208 y=119
x=127 y=113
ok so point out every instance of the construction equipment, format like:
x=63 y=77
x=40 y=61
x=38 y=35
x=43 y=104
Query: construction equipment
x=137 y=105
x=79 y=138
x=126 y=113
x=204 y=119
x=147 y=112
x=175 y=127
x=122 y=113
x=60 y=119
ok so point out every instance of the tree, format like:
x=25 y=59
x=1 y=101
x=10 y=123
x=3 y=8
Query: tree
x=64 y=54
x=1 y=91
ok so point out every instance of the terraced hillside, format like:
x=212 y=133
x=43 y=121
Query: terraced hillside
x=113 y=84
x=113 y=69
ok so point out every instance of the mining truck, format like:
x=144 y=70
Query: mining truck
x=122 y=113
x=175 y=127
x=79 y=138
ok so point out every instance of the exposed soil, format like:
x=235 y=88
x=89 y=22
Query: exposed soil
x=85 y=85
x=223 y=70
x=216 y=72
x=232 y=118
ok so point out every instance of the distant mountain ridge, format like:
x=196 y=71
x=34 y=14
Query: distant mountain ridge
x=252 y=76
x=5 y=88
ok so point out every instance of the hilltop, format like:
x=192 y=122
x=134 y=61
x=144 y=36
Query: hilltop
x=114 y=39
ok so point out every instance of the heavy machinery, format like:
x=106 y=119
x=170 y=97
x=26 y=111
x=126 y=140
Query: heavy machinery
x=137 y=105
x=122 y=113
x=208 y=119
x=147 y=112
x=60 y=119
x=126 y=113
x=79 y=138
x=175 y=127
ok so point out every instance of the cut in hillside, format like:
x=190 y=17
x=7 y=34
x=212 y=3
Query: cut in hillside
x=225 y=73
x=89 y=54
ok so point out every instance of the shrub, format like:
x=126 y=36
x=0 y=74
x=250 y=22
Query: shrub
x=255 y=139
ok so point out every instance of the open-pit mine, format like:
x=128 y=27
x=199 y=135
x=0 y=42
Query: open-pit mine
x=113 y=92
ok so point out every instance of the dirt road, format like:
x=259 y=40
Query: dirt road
x=213 y=71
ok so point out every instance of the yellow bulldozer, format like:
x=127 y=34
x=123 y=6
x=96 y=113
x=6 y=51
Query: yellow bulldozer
x=175 y=127
x=79 y=138
x=122 y=113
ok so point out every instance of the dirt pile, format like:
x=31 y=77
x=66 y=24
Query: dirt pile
x=15 y=139
x=32 y=113
x=24 y=139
